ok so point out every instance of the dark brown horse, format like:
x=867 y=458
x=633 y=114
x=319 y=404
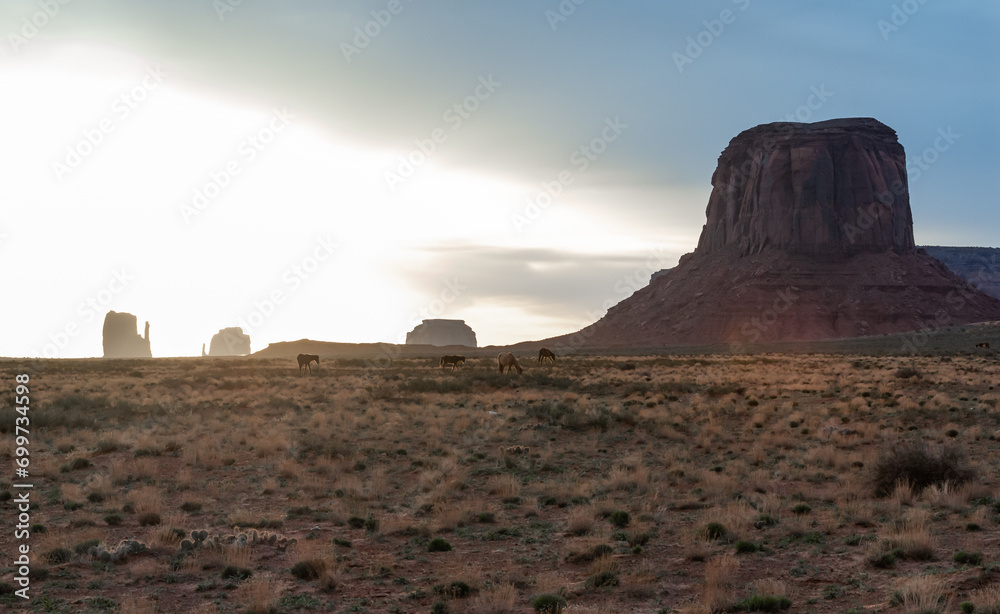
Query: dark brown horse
x=545 y=353
x=983 y=345
x=453 y=361
x=305 y=359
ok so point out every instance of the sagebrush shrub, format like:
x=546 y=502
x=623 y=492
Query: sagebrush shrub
x=916 y=463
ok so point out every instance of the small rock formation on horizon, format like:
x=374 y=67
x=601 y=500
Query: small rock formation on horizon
x=230 y=341
x=809 y=236
x=121 y=339
x=441 y=333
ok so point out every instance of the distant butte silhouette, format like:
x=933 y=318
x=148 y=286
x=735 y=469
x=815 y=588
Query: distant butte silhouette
x=229 y=342
x=809 y=236
x=441 y=333
x=121 y=339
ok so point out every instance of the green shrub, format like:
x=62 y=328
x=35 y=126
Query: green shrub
x=190 y=507
x=745 y=547
x=885 y=559
x=765 y=603
x=311 y=569
x=915 y=462
x=620 y=519
x=232 y=572
x=968 y=558
x=85 y=546
x=801 y=509
x=149 y=519
x=455 y=590
x=714 y=530
x=79 y=463
x=58 y=555
x=604 y=578
x=438 y=544
x=114 y=519
x=548 y=604
x=356 y=522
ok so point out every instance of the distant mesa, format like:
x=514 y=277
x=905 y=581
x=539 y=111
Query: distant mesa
x=441 y=333
x=121 y=337
x=809 y=236
x=229 y=342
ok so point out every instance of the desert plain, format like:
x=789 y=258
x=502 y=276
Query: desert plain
x=648 y=483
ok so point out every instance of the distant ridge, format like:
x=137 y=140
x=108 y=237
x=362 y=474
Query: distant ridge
x=980 y=266
x=368 y=351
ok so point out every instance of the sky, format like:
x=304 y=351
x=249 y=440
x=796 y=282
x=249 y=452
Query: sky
x=342 y=170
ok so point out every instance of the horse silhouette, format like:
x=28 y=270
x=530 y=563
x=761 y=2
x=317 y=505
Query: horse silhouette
x=452 y=360
x=983 y=345
x=545 y=353
x=305 y=359
x=506 y=362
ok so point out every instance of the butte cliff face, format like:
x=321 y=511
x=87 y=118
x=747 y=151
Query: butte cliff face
x=441 y=333
x=828 y=189
x=809 y=236
x=230 y=342
x=121 y=339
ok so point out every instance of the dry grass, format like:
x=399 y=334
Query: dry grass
x=580 y=521
x=986 y=599
x=911 y=535
x=138 y=605
x=720 y=583
x=505 y=486
x=259 y=594
x=500 y=599
x=922 y=595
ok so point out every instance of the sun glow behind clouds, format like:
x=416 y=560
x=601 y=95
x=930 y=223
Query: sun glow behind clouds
x=210 y=205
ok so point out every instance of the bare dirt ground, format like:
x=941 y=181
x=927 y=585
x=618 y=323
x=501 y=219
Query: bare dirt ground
x=612 y=484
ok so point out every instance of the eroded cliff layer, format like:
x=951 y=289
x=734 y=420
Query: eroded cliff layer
x=828 y=189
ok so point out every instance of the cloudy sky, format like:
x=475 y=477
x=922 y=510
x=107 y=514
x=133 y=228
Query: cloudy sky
x=341 y=170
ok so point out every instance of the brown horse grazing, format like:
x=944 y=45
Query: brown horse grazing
x=545 y=353
x=506 y=362
x=452 y=360
x=305 y=359
x=983 y=345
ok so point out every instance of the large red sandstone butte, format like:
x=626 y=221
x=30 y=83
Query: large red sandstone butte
x=809 y=236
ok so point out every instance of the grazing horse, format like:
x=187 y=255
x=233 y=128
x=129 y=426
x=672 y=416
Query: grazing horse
x=545 y=353
x=452 y=360
x=305 y=359
x=506 y=362
x=983 y=345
